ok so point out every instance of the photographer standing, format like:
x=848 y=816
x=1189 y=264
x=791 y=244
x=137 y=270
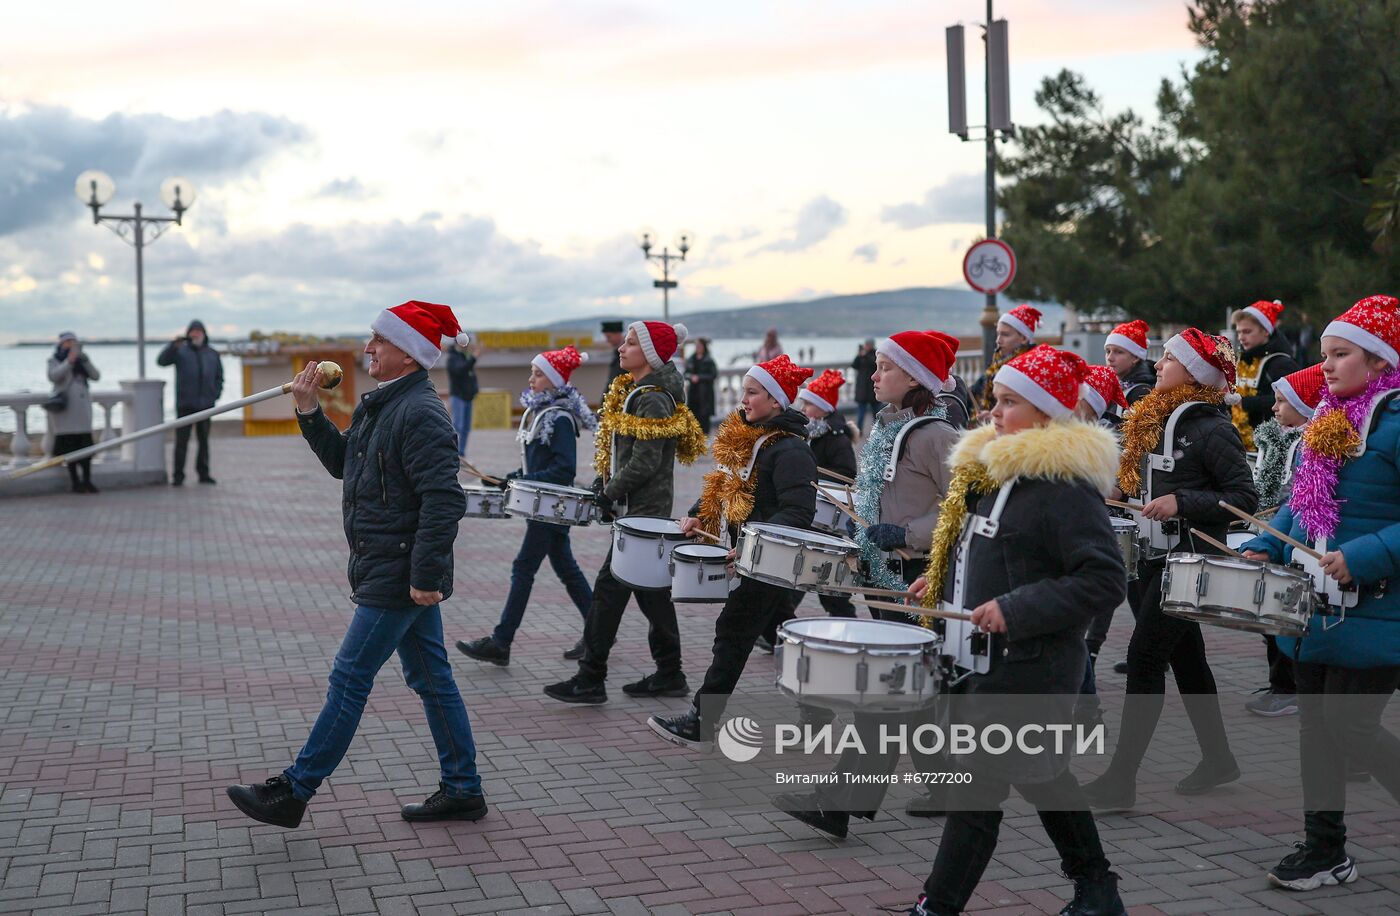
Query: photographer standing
x=70 y=406
x=199 y=380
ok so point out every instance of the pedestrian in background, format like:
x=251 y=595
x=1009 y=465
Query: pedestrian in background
x=462 y=389
x=70 y=406
x=199 y=380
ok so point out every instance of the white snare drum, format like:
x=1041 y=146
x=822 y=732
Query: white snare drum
x=1238 y=594
x=641 y=551
x=794 y=557
x=1126 y=531
x=829 y=518
x=699 y=574
x=843 y=663
x=550 y=502
x=485 y=502
x=1237 y=539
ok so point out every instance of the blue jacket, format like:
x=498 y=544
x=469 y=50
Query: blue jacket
x=1369 y=538
x=555 y=461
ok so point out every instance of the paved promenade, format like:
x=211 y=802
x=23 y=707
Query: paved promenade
x=159 y=644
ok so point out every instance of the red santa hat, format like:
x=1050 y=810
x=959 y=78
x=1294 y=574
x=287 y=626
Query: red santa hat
x=1023 y=320
x=659 y=340
x=1302 y=389
x=823 y=390
x=1373 y=324
x=1209 y=359
x=1131 y=336
x=1050 y=379
x=780 y=377
x=418 y=329
x=926 y=355
x=1264 y=312
x=1101 y=388
x=558 y=365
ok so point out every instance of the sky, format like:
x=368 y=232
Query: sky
x=503 y=157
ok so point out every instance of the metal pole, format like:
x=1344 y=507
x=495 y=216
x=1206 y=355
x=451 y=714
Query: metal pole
x=666 y=285
x=140 y=298
x=989 y=311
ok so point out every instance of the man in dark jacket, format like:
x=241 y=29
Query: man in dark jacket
x=864 y=366
x=613 y=334
x=462 y=390
x=401 y=504
x=199 y=380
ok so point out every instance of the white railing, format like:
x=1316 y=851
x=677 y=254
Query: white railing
x=22 y=403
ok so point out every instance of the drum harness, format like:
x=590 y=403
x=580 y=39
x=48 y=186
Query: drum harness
x=743 y=474
x=892 y=467
x=969 y=648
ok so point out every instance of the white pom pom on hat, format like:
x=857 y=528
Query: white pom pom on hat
x=681 y=334
x=583 y=356
x=464 y=339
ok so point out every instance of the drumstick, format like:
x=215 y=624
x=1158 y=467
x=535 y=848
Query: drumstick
x=855 y=590
x=1229 y=551
x=913 y=609
x=903 y=554
x=835 y=476
x=701 y=532
x=1137 y=510
x=475 y=473
x=1265 y=526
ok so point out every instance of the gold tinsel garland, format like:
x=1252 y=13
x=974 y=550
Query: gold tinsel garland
x=1143 y=426
x=681 y=426
x=724 y=495
x=970 y=478
x=1331 y=435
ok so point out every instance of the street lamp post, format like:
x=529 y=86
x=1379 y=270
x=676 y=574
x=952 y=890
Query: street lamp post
x=94 y=189
x=665 y=284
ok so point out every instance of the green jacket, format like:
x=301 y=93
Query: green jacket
x=644 y=469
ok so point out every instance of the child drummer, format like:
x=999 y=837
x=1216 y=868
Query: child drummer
x=548 y=437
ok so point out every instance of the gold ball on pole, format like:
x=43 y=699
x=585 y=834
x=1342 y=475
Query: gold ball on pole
x=330 y=373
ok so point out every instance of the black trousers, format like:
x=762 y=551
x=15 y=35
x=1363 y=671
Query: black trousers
x=970 y=837
x=1340 y=715
x=834 y=605
x=182 y=445
x=71 y=442
x=748 y=610
x=1160 y=642
x=605 y=616
x=1281 y=680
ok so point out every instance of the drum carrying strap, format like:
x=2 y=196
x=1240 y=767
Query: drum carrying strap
x=969 y=649
x=898 y=448
x=536 y=421
x=744 y=476
x=1158 y=539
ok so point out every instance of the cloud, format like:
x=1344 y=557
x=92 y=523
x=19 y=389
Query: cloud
x=867 y=253
x=344 y=189
x=959 y=199
x=43 y=149
x=817 y=219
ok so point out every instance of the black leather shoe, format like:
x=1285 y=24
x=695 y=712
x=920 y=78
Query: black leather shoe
x=683 y=729
x=575 y=690
x=1207 y=775
x=1095 y=895
x=809 y=811
x=659 y=685
x=1109 y=794
x=177 y=481
x=485 y=649
x=271 y=802
x=929 y=804
x=207 y=479
x=575 y=653
x=443 y=807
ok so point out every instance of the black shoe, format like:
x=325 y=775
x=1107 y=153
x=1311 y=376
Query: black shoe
x=443 y=807
x=271 y=802
x=576 y=652
x=1107 y=793
x=485 y=649
x=576 y=690
x=207 y=479
x=89 y=488
x=809 y=811
x=1120 y=667
x=1095 y=895
x=177 y=481
x=1309 y=868
x=763 y=645
x=683 y=729
x=929 y=804
x=1088 y=715
x=659 y=685
x=1207 y=776
x=919 y=908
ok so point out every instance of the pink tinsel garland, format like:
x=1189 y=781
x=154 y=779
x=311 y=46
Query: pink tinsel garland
x=1314 y=499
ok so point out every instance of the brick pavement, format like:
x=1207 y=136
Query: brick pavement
x=158 y=644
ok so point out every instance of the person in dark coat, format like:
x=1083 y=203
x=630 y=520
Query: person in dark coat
x=1195 y=380
x=554 y=414
x=400 y=503
x=199 y=380
x=1266 y=356
x=1034 y=590
x=1125 y=352
x=864 y=366
x=781 y=487
x=700 y=375
x=462 y=390
x=613 y=334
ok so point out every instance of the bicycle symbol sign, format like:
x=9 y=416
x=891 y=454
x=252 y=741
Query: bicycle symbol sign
x=989 y=266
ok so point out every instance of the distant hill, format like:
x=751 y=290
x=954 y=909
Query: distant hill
x=860 y=315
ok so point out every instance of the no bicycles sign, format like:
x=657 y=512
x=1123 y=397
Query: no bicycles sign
x=989 y=266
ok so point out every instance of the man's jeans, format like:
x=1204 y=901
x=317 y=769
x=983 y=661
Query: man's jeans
x=375 y=634
x=461 y=410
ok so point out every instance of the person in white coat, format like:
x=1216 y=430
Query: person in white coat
x=70 y=406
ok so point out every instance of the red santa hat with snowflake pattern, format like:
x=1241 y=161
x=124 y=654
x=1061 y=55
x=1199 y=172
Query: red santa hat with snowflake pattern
x=1049 y=378
x=558 y=365
x=659 y=340
x=419 y=328
x=823 y=390
x=927 y=356
x=1302 y=389
x=1210 y=359
x=1023 y=319
x=1373 y=324
x=1130 y=336
x=1101 y=388
x=780 y=377
x=1264 y=312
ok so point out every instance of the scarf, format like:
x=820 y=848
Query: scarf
x=681 y=425
x=817 y=428
x=1142 y=428
x=725 y=497
x=875 y=456
x=1272 y=470
x=1328 y=440
x=566 y=398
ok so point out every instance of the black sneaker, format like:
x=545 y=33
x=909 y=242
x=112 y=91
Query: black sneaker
x=920 y=908
x=1207 y=775
x=207 y=479
x=1109 y=794
x=659 y=685
x=177 y=481
x=1309 y=868
x=683 y=729
x=272 y=802
x=931 y=803
x=809 y=811
x=576 y=652
x=443 y=807
x=485 y=649
x=1095 y=895
x=577 y=690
